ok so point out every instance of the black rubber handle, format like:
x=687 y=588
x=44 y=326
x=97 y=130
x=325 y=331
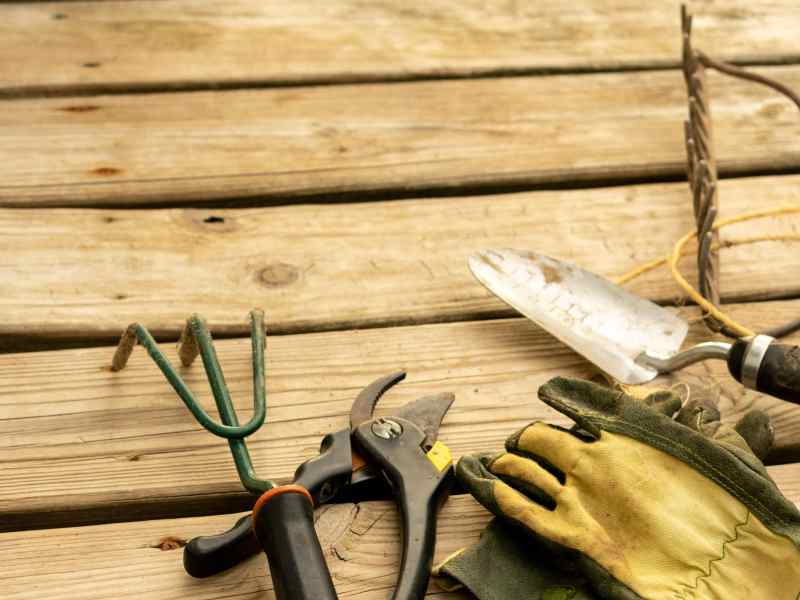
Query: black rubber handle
x=420 y=489
x=211 y=554
x=284 y=526
x=420 y=500
x=778 y=374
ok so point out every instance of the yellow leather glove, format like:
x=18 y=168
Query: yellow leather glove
x=645 y=506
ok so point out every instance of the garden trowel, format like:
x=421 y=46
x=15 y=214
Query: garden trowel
x=628 y=337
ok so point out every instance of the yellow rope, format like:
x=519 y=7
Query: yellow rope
x=678 y=251
x=654 y=264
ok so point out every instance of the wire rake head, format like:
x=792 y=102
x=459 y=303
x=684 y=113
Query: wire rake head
x=702 y=164
x=196 y=340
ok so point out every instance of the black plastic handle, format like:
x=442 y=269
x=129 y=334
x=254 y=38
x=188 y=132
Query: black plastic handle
x=284 y=525
x=420 y=490
x=211 y=554
x=778 y=371
x=419 y=514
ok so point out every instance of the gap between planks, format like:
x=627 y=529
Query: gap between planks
x=81 y=445
x=361 y=544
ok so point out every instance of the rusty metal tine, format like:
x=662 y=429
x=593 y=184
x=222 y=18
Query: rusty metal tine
x=702 y=165
x=705 y=246
x=734 y=71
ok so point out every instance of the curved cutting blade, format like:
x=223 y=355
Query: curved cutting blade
x=427 y=413
x=598 y=319
x=368 y=397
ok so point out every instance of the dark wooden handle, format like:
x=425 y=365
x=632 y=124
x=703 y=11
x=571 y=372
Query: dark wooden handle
x=778 y=372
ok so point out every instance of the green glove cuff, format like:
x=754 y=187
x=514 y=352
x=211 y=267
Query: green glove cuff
x=505 y=565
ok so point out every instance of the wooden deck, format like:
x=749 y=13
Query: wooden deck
x=333 y=163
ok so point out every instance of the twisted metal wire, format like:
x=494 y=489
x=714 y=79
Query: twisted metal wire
x=701 y=166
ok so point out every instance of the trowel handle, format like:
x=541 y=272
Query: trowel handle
x=761 y=364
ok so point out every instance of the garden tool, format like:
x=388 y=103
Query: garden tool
x=397 y=457
x=628 y=337
x=630 y=504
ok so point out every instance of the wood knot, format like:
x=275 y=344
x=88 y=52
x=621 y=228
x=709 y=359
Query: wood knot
x=771 y=110
x=278 y=274
x=210 y=223
x=106 y=171
x=80 y=108
x=169 y=542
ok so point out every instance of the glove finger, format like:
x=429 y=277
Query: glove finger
x=507 y=502
x=474 y=472
x=558 y=447
x=701 y=414
x=754 y=429
x=757 y=430
x=475 y=477
x=586 y=403
x=527 y=476
x=664 y=402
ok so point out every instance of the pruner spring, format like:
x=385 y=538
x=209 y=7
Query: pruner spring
x=195 y=339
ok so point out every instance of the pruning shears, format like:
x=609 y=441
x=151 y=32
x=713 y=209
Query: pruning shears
x=396 y=457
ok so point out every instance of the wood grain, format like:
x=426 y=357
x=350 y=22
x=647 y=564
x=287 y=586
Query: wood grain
x=86 y=274
x=90 y=46
x=79 y=444
x=361 y=544
x=400 y=138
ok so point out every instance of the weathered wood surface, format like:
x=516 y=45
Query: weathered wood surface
x=90 y=46
x=134 y=560
x=87 y=274
x=80 y=444
x=399 y=137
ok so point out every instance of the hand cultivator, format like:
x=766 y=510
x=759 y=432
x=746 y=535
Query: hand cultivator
x=396 y=457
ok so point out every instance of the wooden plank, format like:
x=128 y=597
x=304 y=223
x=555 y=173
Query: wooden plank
x=361 y=543
x=79 y=444
x=131 y=560
x=403 y=137
x=86 y=46
x=87 y=274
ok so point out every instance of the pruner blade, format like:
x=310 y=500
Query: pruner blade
x=427 y=413
x=366 y=400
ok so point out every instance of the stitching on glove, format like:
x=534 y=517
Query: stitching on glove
x=725 y=544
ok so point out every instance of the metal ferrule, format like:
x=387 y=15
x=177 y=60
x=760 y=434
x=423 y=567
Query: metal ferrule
x=753 y=357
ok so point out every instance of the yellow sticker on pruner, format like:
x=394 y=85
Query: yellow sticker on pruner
x=440 y=456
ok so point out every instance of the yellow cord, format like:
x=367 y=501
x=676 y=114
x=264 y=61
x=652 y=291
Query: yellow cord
x=678 y=251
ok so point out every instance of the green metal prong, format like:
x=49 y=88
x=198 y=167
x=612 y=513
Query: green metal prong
x=230 y=428
x=241 y=456
x=197 y=338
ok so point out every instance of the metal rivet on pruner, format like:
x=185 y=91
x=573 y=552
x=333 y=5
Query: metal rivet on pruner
x=387 y=429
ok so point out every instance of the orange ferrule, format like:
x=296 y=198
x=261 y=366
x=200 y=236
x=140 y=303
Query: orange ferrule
x=277 y=491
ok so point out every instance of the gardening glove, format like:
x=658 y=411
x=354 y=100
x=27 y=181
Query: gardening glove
x=507 y=564
x=641 y=505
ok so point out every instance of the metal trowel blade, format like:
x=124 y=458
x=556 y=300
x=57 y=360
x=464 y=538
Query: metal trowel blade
x=601 y=321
